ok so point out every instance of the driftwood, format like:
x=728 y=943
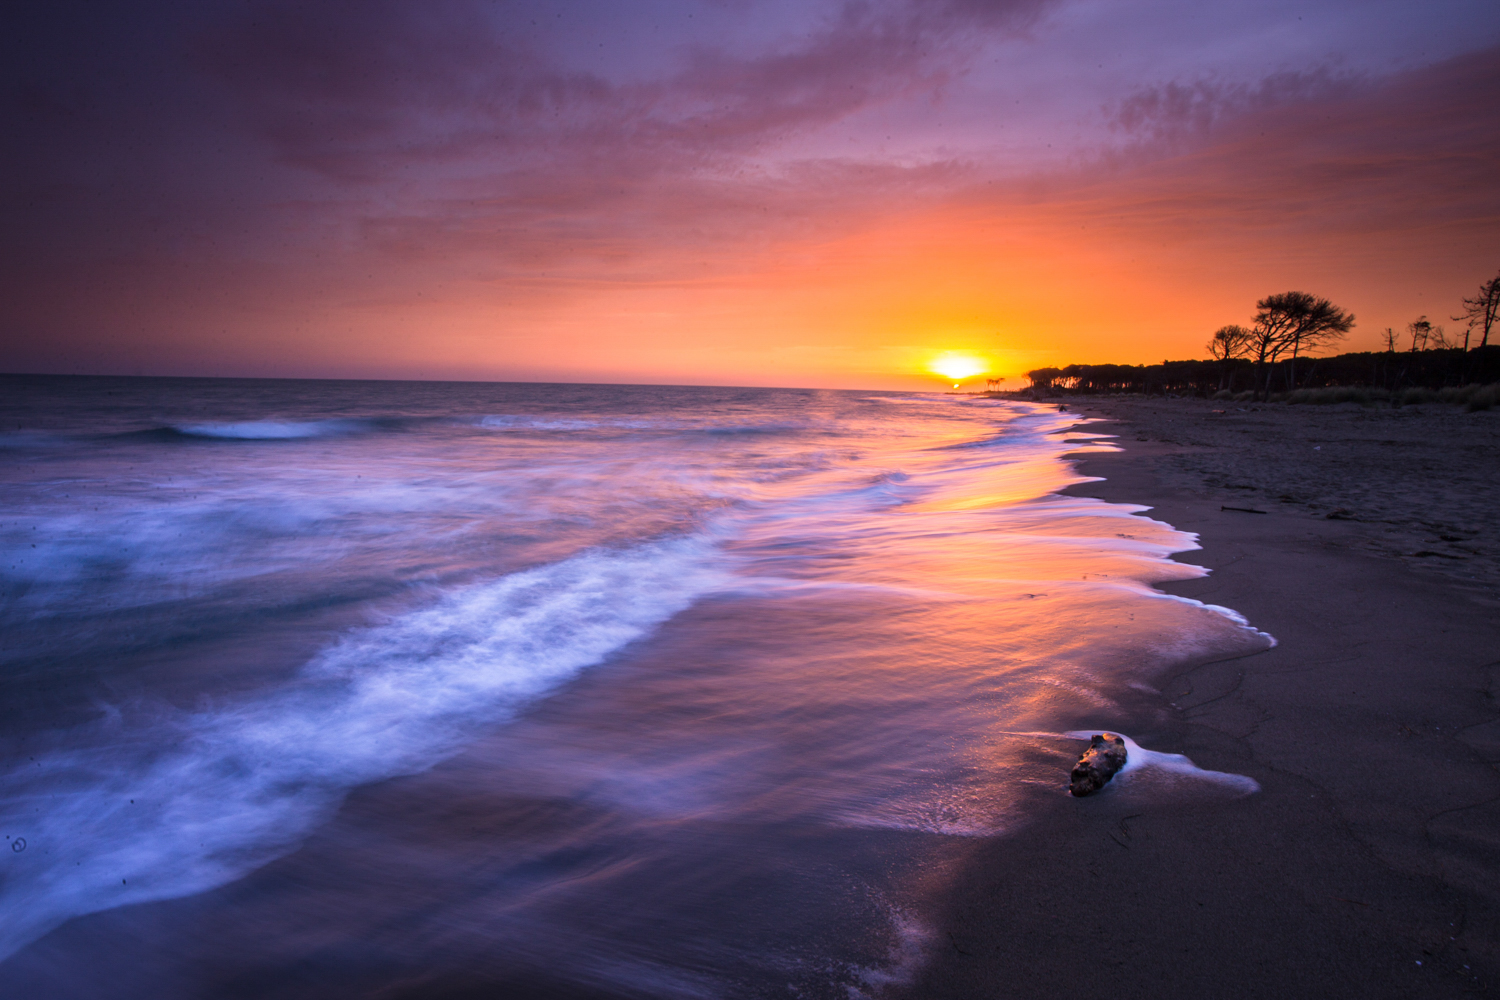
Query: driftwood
x=1104 y=757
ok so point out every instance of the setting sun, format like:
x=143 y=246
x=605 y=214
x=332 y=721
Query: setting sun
x=957 y=366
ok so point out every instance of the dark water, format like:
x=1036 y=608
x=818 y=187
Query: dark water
x=319 y=689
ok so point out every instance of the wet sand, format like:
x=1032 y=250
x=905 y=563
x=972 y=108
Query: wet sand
x=1369 y=864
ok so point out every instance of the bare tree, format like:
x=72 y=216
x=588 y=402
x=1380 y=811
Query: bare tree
x=1391 y=338
x=1295 y=322
x=1419 y=330
x=1441 y=341
x=1481 y=311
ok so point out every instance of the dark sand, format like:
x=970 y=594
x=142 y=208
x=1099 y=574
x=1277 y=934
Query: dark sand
x=1369 y=864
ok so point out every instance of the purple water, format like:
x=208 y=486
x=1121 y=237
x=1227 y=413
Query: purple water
x=322 y=689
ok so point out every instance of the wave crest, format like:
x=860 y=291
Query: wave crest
x=119 y=822
x=274 y=430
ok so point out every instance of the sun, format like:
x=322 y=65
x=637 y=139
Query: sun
x=957 y=365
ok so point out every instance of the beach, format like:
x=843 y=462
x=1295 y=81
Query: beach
x=1365 y=866
x=420 y=690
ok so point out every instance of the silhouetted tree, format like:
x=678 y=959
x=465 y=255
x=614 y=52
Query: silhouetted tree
x=1390 y=337
x=1043 y=378
x=1228 y=344
x=1419 y=330
x=1440 y=341
x=1295 y=322
x=1481 y=311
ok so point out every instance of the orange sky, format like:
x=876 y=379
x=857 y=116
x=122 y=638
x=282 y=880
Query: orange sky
x=757 y=257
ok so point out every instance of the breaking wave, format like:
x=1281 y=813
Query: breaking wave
x=278 y=430
x=191 y=801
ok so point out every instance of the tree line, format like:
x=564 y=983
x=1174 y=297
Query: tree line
x=1277 y=349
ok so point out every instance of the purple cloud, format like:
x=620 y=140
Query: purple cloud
x=1176 y=112
x=359 y=92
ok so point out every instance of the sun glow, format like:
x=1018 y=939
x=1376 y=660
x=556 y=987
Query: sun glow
x=957 y=366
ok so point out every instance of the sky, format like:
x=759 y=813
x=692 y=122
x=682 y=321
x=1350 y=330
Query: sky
x=728 y=192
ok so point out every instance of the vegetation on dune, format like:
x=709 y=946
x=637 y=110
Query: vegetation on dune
x=1473 y=396
x=1273 y=360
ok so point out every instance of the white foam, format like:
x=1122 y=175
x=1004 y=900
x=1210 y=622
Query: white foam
x=910 y=942
x=1224 y=612
x=1141 y=763
x=272 y=430
x=510 y=421
x=178 y=539
x=236 y=787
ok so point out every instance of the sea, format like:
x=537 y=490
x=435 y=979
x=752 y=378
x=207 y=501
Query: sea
x=433 y=689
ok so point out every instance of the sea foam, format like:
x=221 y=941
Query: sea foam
x=1172 y=771
x=196 y=800
x=274 y=430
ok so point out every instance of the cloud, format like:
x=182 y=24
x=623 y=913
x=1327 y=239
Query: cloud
x=1177 y=113
x=1323 y=149
x=360 y=92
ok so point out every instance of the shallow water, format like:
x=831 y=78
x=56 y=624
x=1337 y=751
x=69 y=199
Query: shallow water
x=433 y=689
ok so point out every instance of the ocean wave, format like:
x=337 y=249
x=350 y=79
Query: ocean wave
x=521 y=421
x=540 y=422
x=132 y=553
x=278 y=430
x=903 y=399
x=125 y=821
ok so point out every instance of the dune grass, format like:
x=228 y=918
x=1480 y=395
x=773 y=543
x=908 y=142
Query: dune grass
x=1472 y=397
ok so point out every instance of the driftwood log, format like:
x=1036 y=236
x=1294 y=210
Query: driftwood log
x=1104 y=757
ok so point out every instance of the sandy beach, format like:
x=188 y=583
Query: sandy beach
x=1367 y=864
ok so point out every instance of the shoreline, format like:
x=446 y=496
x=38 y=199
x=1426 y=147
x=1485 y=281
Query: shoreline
x=1365 y=867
